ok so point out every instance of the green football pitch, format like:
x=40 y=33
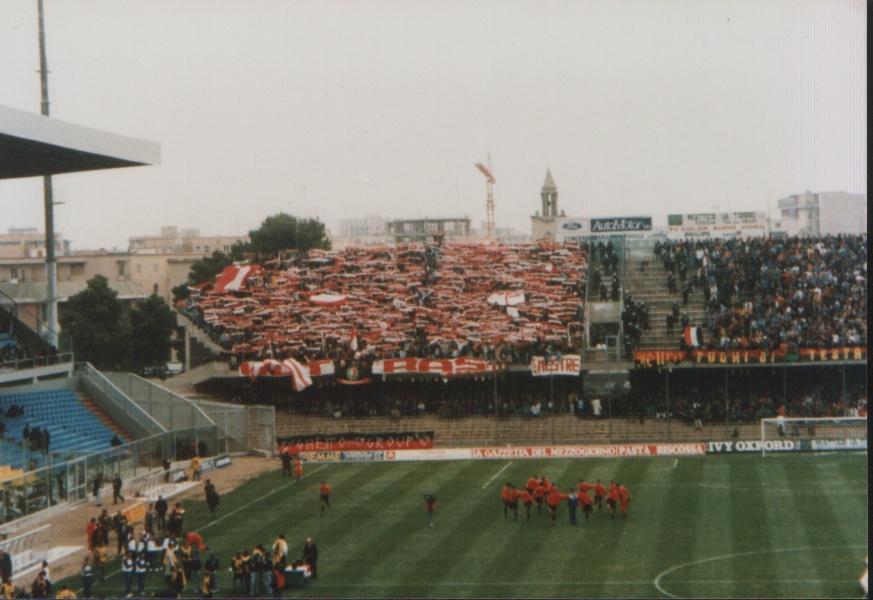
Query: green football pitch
x=714 y=526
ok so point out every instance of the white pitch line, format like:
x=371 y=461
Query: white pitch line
x=657 y=581
x=430 y=584
x=256 y=500
x=233 y=512
x=493 y=477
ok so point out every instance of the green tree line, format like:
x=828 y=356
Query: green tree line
x=277 y=233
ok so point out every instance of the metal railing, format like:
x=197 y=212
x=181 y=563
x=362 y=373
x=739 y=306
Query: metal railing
x=120 y=407
x=14 y=545
x=163 y=406
x=72 y=480
x=36 y=361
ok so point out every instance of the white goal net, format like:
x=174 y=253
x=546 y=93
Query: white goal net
x=818 y=434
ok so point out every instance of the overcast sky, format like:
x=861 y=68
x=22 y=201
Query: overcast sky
x=339 y=109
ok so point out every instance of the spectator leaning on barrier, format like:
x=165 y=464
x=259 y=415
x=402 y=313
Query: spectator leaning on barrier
x=5 y=565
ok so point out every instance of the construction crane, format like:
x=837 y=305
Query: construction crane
x=490 y=230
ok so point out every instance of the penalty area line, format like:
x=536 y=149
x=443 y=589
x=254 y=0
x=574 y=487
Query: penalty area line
x=496 y=475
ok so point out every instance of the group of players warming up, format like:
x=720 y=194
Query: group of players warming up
x=541 y=491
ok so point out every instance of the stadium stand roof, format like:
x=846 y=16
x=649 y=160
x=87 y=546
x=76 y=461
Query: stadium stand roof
x=33 y=145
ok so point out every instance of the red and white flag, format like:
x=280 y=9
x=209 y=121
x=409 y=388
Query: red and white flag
x=353 y=344
x=233 y=277
x=693 y=337
x=300 y=379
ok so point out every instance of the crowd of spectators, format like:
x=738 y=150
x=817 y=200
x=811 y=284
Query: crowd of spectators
x=16 y=355
x=774 y=293
x=503 y=302
x=635 y=319
x=605 y=284
x=38 y=438
x=747 y=395
x=515 y=395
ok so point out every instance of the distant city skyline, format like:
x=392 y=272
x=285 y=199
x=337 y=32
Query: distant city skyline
x=334 y=110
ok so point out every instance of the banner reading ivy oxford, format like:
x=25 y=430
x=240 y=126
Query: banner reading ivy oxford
x=648 y=359
x=568 y=364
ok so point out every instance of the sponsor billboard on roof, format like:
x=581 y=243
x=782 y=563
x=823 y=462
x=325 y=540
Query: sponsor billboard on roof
x=717 y=225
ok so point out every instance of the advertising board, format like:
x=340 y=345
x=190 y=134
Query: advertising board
x=844 y=444
x=621 y=224
x=752 y=446
x=717 y=225
x=600 y=450
x=362 y=456
x=322 y=456
x=429 y=455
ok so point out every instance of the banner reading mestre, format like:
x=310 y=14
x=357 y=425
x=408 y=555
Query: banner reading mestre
x=568 y=364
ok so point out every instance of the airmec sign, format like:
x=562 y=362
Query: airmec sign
x=621 y=224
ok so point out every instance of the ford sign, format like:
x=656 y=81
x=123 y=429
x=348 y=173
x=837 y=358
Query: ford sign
x=572 y=225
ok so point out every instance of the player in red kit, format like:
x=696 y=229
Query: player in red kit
x=624 y=498
x=532 y=484
x=599 y=494
x=553 y=500
x=298 y=468
x=506 y=498
x=527 y=498
x=612 y=499
x=587 y=504
x=324 y=493
x=539 y=495
x=514 y=495
x=584 y=486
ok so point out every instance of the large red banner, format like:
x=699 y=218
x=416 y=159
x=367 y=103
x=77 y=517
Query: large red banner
x=659 y=358
x=445 y=367
x=387 y=443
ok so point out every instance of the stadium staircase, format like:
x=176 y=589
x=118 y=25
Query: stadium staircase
x=105 y=419
x=605 y=370
x=650 y=286
x=198 y=334
x=549 y=429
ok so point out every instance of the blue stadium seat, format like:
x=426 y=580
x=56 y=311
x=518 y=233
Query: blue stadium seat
x=72 y=427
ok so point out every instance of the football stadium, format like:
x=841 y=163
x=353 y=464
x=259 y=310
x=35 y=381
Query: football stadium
x=651 y=404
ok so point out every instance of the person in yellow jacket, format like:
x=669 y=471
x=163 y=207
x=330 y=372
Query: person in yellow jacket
x=196 y=466
x=7 y=589
x=100 y=558
x=64 y=593
x=207 y=585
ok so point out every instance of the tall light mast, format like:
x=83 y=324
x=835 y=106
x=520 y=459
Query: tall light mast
x=51 y=268
x=490 y=229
